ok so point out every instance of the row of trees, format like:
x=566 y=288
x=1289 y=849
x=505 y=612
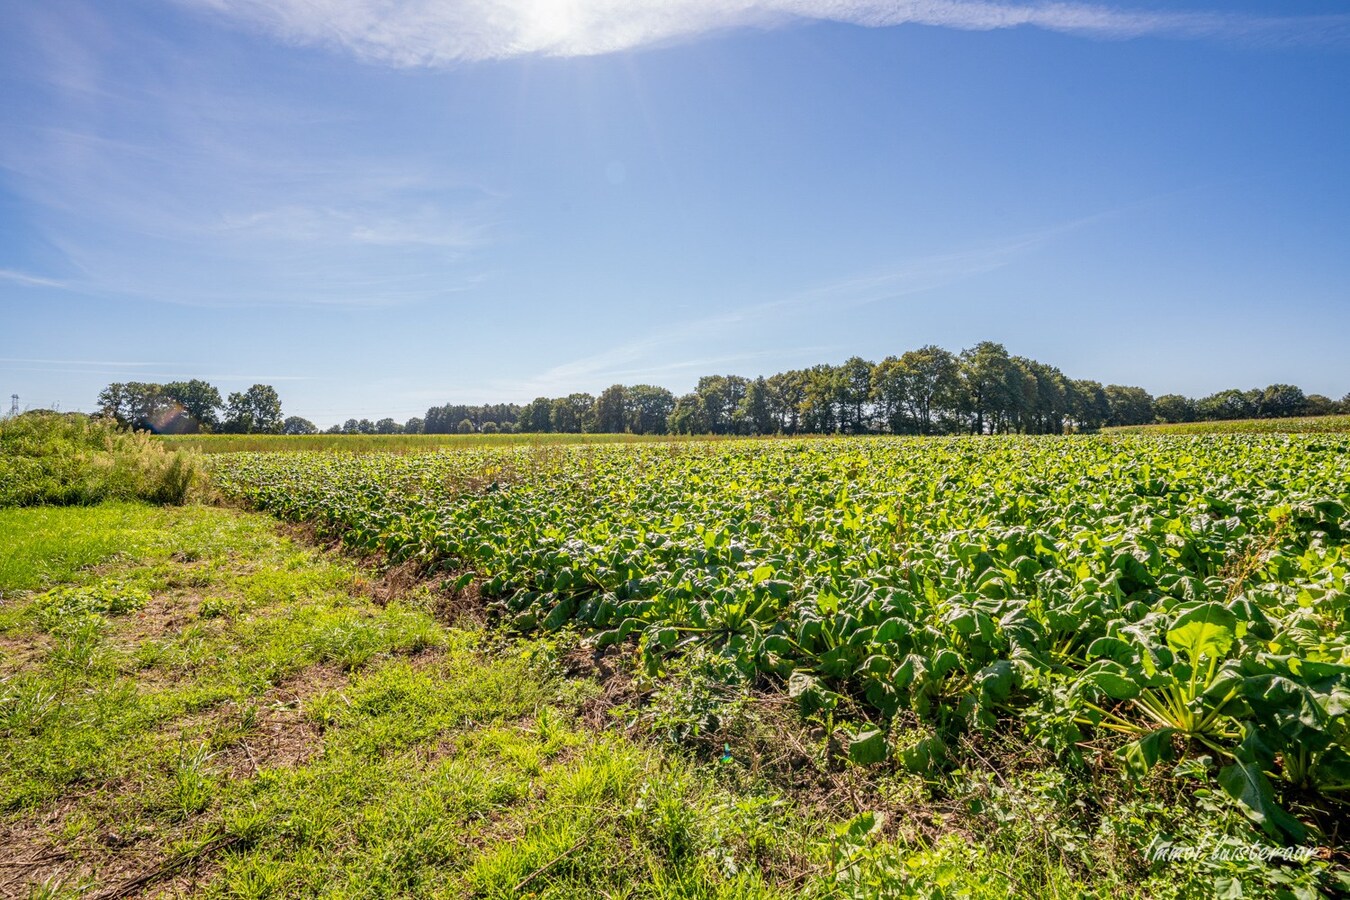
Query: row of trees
x=982 y=390
x=188 y=407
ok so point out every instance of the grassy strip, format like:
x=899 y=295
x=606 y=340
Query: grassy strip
x=193 y=704
x=1299 y=425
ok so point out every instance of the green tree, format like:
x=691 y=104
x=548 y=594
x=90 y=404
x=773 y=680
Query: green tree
x=1229 y=404
x=388 y=426
x=1172 y=408
x=414 y=426
x=465 y=426
x=787 y=394
x=297 y=425
x=255 y=411
x=987 y=392
x=1129 y=405
x=1280 y=401
x=649 y=408
x=537 y=416
x=854 y=384
x=200 y=400
x=1088 y=404
x=755 y=409
x=689 y=416
x=612 y=410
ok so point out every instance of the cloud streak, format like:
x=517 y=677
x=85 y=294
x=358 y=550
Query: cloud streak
x=22 y=278
x=409 y=33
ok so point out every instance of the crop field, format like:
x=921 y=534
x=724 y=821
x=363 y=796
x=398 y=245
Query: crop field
x=1297 y=425
x=391 y=443
x=1179 y=604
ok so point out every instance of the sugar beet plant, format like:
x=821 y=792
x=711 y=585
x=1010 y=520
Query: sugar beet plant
x=1189 y=594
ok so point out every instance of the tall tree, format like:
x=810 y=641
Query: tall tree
x=297 y=425
x=756 y=410
x=690 y=416
x=987 y=375
x=255 y=411
x=1129 y=405
x=650 y=408
x=854 y=383
x=200 y=400
x=612 y=410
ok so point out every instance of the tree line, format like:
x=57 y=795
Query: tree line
x=190 y=407
x=981 y=390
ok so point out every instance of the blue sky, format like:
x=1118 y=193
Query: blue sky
x=377 y=206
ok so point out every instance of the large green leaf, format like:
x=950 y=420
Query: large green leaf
x=1249 y=786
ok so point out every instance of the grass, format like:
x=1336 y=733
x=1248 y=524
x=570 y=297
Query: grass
x=1302 y=425
x=49 y=458
x=192 y=703
x=395 y=443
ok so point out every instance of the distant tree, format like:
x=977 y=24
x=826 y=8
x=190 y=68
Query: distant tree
x=1345 y=404
x=1171 y=408
x=911 y=389
x=255 y=411
x=756 y=409
x=987 y=396
x=689 y=416
x=365 y=426
x=490 y=428
x=612 y=410
x=139 y=405
x=333 y=429
x=297 y=425
x=200 y=400
x=1089 y=406
x=721 y=396
x=787 y=395
x=537 y=416
x=583 y=411
x=388 y=426
x=1319 y=405
x=414 y=426
x=1280 y=401
x=1229 y=404
x=820 y=400
x=649 y=408
x=351 y=426
x=465 y=426
x=854 y=382
x=1129 y=405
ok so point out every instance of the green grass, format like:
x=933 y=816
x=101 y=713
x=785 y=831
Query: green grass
x=1302 y=425
x=49 y=458
x=396 y=443
x=186 y=694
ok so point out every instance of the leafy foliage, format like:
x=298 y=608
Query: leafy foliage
x=1191 y=595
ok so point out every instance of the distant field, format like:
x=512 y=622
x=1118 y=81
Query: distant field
x=393 y=443
x=1304 y=425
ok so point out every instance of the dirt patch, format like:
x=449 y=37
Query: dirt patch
x=21 y=651
x=282 y=735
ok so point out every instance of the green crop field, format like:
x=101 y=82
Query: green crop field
x=1090 y=666
x=1297 y=425
x=1182 y=602
x=391 y=443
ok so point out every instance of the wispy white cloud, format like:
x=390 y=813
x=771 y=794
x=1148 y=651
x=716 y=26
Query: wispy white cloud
x=643 y=360
x=150 y=176
x=27 y=280
x=436 y=32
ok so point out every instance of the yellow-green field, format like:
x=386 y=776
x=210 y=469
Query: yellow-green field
x=1301 y=425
